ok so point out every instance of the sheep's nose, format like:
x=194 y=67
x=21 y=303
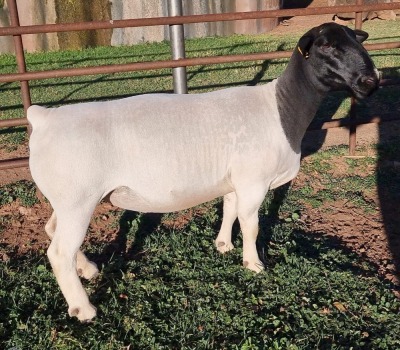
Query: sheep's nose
x=370 y=81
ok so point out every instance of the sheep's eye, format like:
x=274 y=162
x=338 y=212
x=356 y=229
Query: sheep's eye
x=327 y=46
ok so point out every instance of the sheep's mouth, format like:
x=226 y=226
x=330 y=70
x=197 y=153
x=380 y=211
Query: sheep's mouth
x=360 y=92
x=365 y=85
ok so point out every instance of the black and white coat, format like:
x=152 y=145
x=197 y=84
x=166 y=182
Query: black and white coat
x=162 y=153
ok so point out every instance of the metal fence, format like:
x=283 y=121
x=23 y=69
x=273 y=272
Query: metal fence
x=175 y=21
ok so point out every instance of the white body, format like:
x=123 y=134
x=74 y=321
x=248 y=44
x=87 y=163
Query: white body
x=172 y=151
x=156 y=153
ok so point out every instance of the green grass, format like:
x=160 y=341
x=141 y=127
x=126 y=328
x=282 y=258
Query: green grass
x=24 y=191
x=354 y=185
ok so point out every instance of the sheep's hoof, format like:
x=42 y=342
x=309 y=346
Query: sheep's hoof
x=89 y=271
x=223 y=247
x=256 y=266
x=84 y=314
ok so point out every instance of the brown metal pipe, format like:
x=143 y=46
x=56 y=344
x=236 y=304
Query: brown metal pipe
x=346 y=122
x=389 y=82
x=129 y=67
x=8 y=123
x=358 y=19
x=353 y=127
x=14 y=163
x=383 y=46
x=19 y=53
x=156 y=21
x=353 y=107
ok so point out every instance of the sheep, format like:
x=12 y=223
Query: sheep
x=164 y=152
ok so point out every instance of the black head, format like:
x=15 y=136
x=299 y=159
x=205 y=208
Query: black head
x=334 y=59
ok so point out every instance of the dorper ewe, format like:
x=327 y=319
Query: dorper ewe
x=165 y=152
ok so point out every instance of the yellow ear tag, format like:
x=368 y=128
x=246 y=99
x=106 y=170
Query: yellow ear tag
x=307 y=55
x=298 y=48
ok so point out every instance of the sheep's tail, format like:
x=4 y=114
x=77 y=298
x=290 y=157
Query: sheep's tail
x=37 y=116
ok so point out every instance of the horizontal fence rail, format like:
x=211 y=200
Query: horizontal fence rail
x=157 y=21
x=23 y=76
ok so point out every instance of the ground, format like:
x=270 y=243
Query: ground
x=342 y=220
x=359 y=232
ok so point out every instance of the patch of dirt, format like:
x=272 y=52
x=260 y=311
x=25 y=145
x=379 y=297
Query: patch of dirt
x=23 y=227
x=365 y=234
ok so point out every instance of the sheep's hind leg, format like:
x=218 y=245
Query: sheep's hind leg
x=85 y=268
x=223 y=242
x=72 y=224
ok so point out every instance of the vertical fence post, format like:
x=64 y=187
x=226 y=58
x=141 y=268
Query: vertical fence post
x=20 y=56
x=353 y=112
x=177 y=40
x=352 y=128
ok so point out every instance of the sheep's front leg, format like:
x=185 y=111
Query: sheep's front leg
x=68 y=237
x=224 y=238
x=85 y=268
x=249 y=202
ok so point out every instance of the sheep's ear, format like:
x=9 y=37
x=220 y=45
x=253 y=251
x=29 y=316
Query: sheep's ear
x=304 y=45
x=360 y=35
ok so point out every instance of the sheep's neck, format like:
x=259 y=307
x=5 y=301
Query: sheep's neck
x=297 y=100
